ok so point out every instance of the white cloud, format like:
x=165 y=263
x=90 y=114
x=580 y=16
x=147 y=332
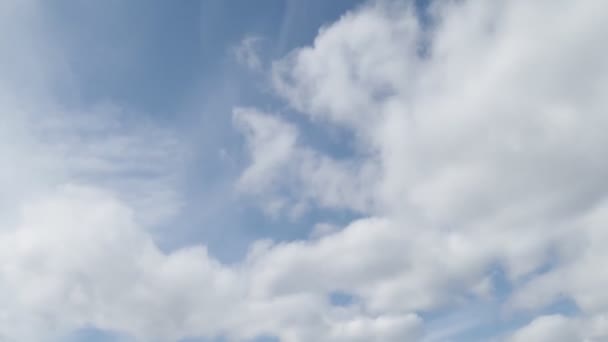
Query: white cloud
x=490 y=143
x=549 y=328
x=247 y=53
x=560 y=328
x=484 y=150
x=77 y=257
x=280 y=165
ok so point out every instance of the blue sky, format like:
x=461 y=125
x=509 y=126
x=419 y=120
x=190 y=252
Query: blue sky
x=293 y=171
x=174 y=63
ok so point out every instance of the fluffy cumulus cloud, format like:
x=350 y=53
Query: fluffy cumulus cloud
x=479 y=142
x=549 y=328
